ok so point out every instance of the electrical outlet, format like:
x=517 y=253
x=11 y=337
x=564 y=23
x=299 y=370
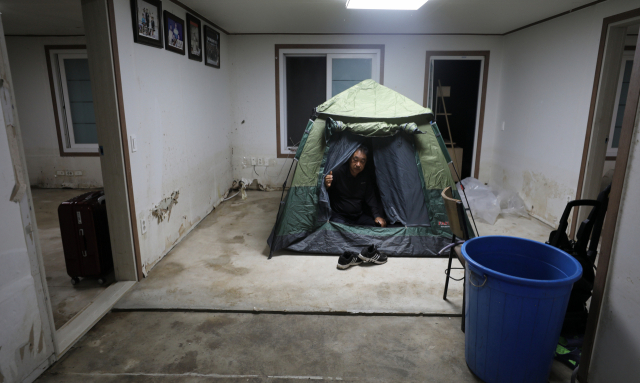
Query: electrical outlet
x=78 y=172
x=266 y=161
x=60 y=172
x=260 y=161
x=68 y=173
x=253 y=161
x=143 y=225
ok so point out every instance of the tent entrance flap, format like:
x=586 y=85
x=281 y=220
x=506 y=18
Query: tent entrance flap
x=397 y=175
x=399 y=180
x=340 y=147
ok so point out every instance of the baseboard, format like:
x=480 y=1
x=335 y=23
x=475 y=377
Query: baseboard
x=37 y=371
x=80 y=324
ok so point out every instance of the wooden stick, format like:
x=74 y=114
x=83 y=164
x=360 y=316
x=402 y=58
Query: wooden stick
x=446 y=116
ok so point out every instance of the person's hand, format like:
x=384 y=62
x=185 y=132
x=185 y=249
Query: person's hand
x=380 y=221
x=328 y=179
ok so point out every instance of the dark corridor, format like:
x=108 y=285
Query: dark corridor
x=463 y=78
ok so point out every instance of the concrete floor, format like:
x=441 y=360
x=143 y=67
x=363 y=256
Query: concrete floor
x=222 y=265
x=154 y=334
x=229 y=347
x=66 y=300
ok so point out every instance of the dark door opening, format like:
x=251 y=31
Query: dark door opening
x=460 y=80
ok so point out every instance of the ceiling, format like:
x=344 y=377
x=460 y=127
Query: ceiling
x=42 y=17
x=64 y=17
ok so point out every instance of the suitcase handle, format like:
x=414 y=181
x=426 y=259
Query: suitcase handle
x=84 y=239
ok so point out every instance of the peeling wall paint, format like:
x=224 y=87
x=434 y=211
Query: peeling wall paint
x=37 y=120
x=163 y=209
x=545 y=95
x=539 y=193
x=182 y=127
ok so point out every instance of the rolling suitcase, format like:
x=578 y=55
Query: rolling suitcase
x=85 y=236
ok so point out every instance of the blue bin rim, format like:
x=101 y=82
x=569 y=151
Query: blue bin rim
x=524 y=281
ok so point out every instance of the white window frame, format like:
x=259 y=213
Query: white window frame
x=431 y=100
x=613 y=152
x=65 y=124
x=330 y=54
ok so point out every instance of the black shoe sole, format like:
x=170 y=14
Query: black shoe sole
x=344 y=267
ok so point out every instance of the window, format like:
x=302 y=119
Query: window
x=73 y=101
x=621 y=100
x=308 y=76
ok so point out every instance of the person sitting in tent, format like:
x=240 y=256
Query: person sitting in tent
x=350 y=188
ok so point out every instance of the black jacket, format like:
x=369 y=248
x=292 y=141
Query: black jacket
x=348 y=194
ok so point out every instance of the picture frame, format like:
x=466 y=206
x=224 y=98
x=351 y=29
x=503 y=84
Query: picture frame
x=211 y=47
x=194 y=38
x=147 y=22
x=174 y=36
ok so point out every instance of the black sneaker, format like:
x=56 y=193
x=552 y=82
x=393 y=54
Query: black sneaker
x=372 y=255
x=348 y=259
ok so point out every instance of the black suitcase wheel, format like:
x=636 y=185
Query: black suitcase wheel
x=75 y=281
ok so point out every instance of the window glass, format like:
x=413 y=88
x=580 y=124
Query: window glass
x=347 y=72
x=80 y=101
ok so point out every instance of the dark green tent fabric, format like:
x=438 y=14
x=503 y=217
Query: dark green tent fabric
x=367 y=110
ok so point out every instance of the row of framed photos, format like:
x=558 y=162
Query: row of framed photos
x=148 y=29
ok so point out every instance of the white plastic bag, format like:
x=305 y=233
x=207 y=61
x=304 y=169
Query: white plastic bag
x=487 y=203
x=510 y=202
x=483 y=203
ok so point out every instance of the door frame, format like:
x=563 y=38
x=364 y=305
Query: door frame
x=484 y=75
x=609 y=228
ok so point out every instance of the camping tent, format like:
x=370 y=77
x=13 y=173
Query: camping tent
x=411 y=170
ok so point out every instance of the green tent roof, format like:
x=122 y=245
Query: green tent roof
x=371 y=100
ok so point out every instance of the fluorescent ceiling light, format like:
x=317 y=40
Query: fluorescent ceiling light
x=408 y=5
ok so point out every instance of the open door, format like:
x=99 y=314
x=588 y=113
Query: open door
x=455 y=89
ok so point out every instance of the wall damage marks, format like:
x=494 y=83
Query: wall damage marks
x=545 y=197
x=163 y=209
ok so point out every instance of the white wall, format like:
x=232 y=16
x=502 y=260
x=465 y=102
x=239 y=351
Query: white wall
x=33 y=97
x=617 y=347
x=545 y=96
x=179 y=110
x=25 y=343
x=253 y=89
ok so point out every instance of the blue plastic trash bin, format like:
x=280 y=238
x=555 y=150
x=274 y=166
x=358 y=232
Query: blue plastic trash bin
x=517 y=294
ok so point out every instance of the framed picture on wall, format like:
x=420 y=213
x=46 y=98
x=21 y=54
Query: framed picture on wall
x=194 y=38
x=173 y=33
x=212 y=47
x=147 y=22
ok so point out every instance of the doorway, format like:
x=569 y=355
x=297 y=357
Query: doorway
x=455 y=90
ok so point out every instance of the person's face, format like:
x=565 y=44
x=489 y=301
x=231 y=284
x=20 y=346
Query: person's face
x=357 y=162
